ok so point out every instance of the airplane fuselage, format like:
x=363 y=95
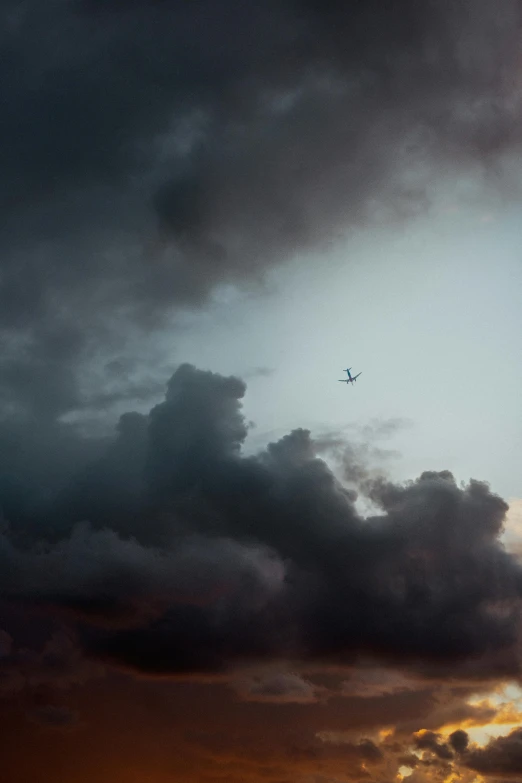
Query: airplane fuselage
x=350 y=378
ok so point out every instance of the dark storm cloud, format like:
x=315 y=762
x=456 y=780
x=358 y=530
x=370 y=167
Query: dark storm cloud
x=459 y=740
x=56 y=664
x=446 y=711
x=501 y=756
x=288 y=753
x=175 y=554
x=279 y=688
x=429 y=740
x=104 y=577
x=151 y=151
x=54 y=717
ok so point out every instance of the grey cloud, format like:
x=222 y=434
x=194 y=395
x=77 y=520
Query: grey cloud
x=369 y=683
x=379 y=428
x=279 y=688
x=447 y=712
x=429 y=740
x=6 y=644
x=152 y=151
x=501 y=756
x=258 y=372
x=106 y=578
x=173 y=553
x=353 y=757
x=54 y=717
x=459 y=740
x=366 y=748
x=57 y=664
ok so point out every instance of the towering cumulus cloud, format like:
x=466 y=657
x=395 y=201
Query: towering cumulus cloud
x=179 y=555
x=153 y=150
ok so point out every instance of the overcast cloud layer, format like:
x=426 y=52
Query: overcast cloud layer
x=153 y=150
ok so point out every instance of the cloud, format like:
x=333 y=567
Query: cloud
x=57 y=664
x=458 y=740
x=107 y=579
x=175 y=554
x=279 y=688
x=259 y=372
x=289 y=755
x=54 y=717
x=154 y=152
x=501 y=756
x=450 y=710
x=365 y=749
x=429 y=740
x=513 y=527
x=6 y=644
x=369 y=683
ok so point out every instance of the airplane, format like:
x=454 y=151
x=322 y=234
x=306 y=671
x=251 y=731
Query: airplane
x=351 y=378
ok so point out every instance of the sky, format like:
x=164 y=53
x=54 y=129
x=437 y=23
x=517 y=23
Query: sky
x=217 y=563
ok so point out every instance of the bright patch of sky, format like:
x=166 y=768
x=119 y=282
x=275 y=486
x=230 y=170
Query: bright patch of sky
x=507 y=700
x=428 y=312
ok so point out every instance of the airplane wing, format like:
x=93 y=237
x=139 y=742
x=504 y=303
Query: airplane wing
x=356 y=376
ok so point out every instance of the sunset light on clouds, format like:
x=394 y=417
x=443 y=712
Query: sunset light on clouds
x=218 y=564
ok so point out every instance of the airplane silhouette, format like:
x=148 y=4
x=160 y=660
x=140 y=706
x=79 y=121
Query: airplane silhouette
x=351 y=378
